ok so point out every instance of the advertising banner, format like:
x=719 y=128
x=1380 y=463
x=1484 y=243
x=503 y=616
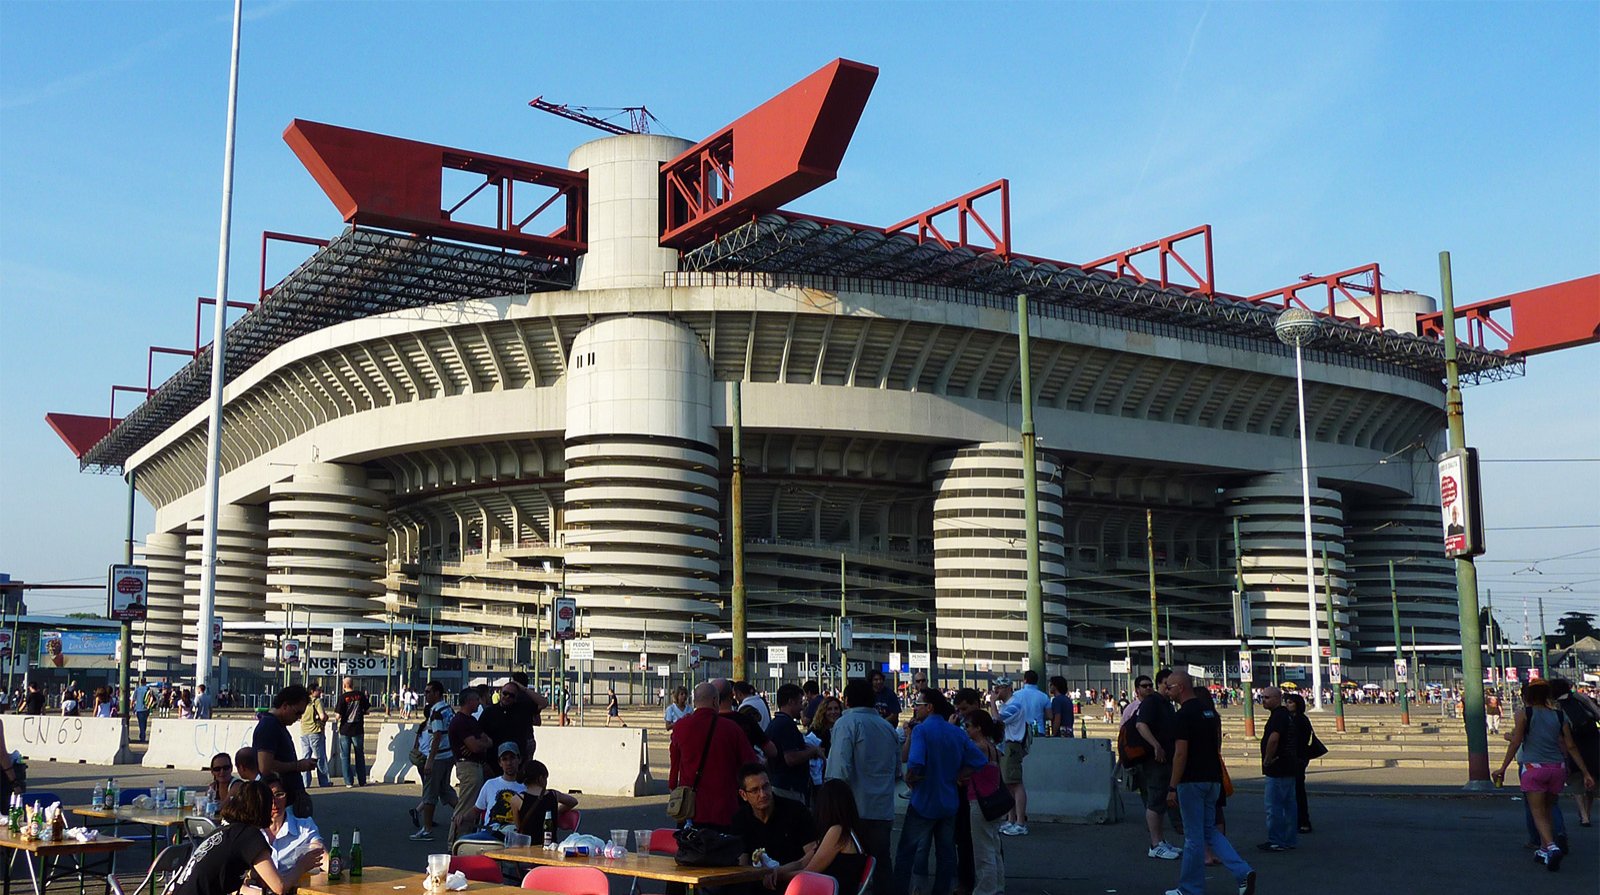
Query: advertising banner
x=127 y=593
x=1459 y=503
x=1402 y=670
x=564 y=619
x=79 y=649
x=1247 y=671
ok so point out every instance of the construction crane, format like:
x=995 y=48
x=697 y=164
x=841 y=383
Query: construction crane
x=639 y=117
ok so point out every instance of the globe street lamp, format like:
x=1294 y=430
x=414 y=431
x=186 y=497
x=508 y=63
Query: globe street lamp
x=1297 y=326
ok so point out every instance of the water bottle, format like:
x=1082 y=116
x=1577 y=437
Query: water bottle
x=335 y=863
x=159 y=794
x=355 y=855
x=98 y=798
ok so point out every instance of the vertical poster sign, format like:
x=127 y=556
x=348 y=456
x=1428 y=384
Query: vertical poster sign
x=128 y=593
x=1459 y=503
x=564 y=619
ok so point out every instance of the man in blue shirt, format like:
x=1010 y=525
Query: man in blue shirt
x=141 y=707
x=1021 y=712
x=941 y=759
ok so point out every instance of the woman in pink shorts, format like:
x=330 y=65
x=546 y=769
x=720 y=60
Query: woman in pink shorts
x=1545 y=737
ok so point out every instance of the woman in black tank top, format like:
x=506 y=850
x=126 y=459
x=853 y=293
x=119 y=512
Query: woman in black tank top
x=837 y=853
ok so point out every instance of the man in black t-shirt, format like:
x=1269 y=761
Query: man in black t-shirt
x=352 y=741
x=1280 y=759
x=791 y=773
x=747 y=722
x=274 y=746
x=1197 y=784
x=1154 y=725
x=783 y=827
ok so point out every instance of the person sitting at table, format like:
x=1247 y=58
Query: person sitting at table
x=838 y=853
x=220 y=863
x=781 y=827
x=291 y=837
x=222 y=777
x=538 y=799
x=495 y=812
x=245 y=766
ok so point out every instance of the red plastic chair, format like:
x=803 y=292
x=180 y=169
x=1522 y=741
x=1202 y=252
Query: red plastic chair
x=568 y=880
x=663 y=842
x=808 y=883
x=568 y=820
x=866 y=875
x=478 y=867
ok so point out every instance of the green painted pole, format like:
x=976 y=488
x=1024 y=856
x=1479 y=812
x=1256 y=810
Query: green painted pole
x=1150 y=566
x=1030 y=495
x=1333 y=644
x=736 y=517
x=844 y=661
x=1240 y=626
x=1466 y=572
x=1405 y=685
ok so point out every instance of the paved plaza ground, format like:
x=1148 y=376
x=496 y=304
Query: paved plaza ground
x=1406 y=829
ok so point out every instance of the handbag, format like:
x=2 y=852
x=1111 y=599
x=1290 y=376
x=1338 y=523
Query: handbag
x=681 y=801
x=1227 y=780
x=705 y=847
x=1315 y=749
x=998 y=801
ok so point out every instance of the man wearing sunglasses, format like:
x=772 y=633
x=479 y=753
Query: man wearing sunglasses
x=940 y=760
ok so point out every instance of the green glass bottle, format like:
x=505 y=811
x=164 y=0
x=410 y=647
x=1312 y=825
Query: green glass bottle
x=335 y=860
x=355 y=854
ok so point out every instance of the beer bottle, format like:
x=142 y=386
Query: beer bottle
x=355 y=855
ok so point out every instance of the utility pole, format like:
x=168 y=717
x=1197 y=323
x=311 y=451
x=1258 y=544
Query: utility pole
x=1544 y=645
x=1150 y=563
x=1241 y=627
x=1333 y=645
x=844 y=662
x=1466 y=572
x=125 y=642
x=1168 y=612
x=737 y=519
x=1030 y=495
x=1399 y=657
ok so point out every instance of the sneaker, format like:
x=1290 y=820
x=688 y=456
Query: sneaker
x=1552 y=856
x=1174 y=892
x=1019 y=829
x=1163 y=851
x=1272 y=846
x=1247 y=886
x=422 y=836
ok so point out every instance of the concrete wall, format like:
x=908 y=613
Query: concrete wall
x=76 y=739
x=593 y=760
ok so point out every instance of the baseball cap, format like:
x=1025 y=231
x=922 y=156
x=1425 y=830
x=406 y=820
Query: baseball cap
x=1002 y=681
x=509 y=747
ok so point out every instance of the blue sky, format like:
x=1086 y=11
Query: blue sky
x=1313 y=137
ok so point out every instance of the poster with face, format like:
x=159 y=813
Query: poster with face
x=79 y=649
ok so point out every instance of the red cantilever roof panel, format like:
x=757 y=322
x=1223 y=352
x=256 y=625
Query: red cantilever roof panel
x=397 y=184
x=775 y=153
x=80 y=432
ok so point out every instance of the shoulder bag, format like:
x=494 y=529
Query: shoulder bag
x=680 y=802
x=1131 y=747
x=998 y=801
x=705 y=847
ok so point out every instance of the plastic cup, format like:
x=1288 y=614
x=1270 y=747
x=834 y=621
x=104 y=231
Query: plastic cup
x=641 y=841
x=619 y=838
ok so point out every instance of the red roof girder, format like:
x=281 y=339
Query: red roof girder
x=1549 y=318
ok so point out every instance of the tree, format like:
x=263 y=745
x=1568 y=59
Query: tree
x=1572 y=627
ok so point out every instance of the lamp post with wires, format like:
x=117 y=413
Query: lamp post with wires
x=1296 y=327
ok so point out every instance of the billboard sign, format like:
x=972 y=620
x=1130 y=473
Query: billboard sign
x=564 y=618
x=216 y=634
x=127 y=593
x=290 y=653
x=1402 y=670
x=1459 y=503
x=5 y=644
x=79 y=649
x=1247 y=671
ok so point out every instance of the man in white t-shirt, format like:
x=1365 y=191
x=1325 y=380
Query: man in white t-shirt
x=497 y=803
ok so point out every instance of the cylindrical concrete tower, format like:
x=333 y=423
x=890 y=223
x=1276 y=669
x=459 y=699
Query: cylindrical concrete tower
x=980 y=558
x=625 y=210
x=1407 y=534
x=325 y=545
x=1272 y=536
x=241 y=583
x=641 y=506
x=157 y=638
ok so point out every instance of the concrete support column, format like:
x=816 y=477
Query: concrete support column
x=162 y=630
x=241 y=578
x=325 y=545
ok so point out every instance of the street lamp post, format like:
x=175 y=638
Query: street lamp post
x=1296 y=327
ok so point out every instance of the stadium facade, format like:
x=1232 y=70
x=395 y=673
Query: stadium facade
x=436 y=420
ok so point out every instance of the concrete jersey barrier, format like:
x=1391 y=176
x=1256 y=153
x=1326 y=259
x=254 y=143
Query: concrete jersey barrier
x=594 y=760
x=77 y=738
x=1072 y=780
x=189 y=744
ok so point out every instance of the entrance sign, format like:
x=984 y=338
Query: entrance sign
x=356 y=664
x=581 y=648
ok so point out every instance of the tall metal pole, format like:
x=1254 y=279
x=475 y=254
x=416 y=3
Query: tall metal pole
x=208 y=556
x=1030 y=495
x=1405 y=685
x=844 y=662
x=125 y=643
x=1544 y=645
x=735 y=413
x=1466 y=572
x=1305 y=500
x=1150 y=564
x=1168 y=612
x=1333 y=643
x=1241 y=625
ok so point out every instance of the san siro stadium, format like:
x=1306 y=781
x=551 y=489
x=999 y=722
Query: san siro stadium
x=505 y=382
